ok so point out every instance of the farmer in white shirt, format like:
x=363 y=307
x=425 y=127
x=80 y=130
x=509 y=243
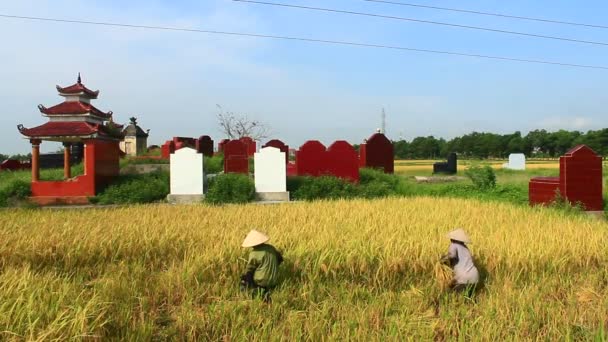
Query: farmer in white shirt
x=459 y=258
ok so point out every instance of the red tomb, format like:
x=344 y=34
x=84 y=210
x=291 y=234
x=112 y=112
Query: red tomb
x=204 y=145
x=221 y=144
x=75 y=121
x=167 y=149
x=342 y=161
x=15 y=165
x=580 y=180
x=251 y=145
x=281 y=146
x=377 y=152
x=310 y=159
x=235 y=157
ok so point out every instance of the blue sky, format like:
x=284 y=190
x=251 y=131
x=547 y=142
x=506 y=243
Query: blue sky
x=172 y=81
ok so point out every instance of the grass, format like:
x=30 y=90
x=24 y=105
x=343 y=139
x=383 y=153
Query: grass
x=358 y=270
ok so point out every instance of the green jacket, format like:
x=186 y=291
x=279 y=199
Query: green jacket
x=264 y=262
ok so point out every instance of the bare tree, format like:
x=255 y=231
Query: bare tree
x=237 y=126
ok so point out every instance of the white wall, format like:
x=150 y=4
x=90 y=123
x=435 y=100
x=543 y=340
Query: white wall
x=187 y=176
x=270 y=170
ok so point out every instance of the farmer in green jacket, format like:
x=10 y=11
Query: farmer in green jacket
x=261 y=274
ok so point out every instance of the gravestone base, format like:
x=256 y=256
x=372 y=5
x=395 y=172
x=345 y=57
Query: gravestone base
x=600 y=215
x=185 y=199
x=272 y=196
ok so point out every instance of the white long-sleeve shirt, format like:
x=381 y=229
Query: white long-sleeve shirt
x=465 y=271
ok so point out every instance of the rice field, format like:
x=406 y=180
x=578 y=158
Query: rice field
x=354 y=270
x=426 y=166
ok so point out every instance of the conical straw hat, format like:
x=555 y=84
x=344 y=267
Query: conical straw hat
x=255 y=238
x=459 y=235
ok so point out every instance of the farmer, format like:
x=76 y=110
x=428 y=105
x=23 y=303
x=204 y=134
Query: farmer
x=459 y=258
x=263 y=266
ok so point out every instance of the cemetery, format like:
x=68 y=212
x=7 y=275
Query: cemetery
x=162 y=220
x=92 y=139
x=304 y=171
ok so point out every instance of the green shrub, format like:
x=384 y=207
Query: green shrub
x=325 y=187
x=214 y=164
x=367 y=176
x=375 y=189
x=14 y=191
x=230 y=188
x=483 y=177
x=129 y=189
x=375 y=183
x=294 y=183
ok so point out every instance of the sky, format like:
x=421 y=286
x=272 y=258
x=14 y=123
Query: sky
x=173 y=81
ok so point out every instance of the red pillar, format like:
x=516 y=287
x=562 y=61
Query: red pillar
x=67 y=174
x=35 y=159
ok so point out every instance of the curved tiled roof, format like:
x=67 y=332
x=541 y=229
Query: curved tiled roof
x=74 y=108
x=134 y=130
x=56 y=129
x=78 y=88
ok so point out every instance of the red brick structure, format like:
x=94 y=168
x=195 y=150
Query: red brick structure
x=342 y=161
x=251 y=145
x=377 y=152
x=75 y=121
x=236 y=159
x=204 y=145
x=281 y=146
x=580 y=180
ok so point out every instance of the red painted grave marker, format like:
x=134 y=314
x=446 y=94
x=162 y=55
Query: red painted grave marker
x=580 y=180
x=235 y=157
x=377 y=152
x=342 y=161
x=281 y=146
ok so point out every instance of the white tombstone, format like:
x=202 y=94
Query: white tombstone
x=188 y=183
x=517 y=161
x=270 y=175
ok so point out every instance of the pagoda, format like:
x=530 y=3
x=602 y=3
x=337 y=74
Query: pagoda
x=75 y=121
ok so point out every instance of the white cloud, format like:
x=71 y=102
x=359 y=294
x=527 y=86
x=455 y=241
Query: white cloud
x=567 y=123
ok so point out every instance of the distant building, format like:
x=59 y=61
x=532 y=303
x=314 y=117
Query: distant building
x=135 y=142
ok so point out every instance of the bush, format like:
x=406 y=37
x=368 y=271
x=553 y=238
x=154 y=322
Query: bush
x=15 y=191
x=483 y=177
x=325 y=187
x=214 y=164
x=230 y=188
x=375 y=183
x=367 y=176
x=129 y=189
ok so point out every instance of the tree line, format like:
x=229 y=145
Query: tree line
x=537 y=143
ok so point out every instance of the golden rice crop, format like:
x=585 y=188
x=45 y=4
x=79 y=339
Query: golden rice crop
x=358 y=270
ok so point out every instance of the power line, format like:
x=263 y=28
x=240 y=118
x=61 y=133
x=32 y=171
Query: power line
x=331 y=10
x=310 y=40
x=551 y=21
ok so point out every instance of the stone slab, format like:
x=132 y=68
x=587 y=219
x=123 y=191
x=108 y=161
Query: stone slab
x=517 y=161
x=187 y=172
x=438 y=179
x=270 y=171
x=185 y=199
x=272 y=196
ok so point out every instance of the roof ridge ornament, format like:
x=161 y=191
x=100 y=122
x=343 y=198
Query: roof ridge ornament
x=79 y=80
